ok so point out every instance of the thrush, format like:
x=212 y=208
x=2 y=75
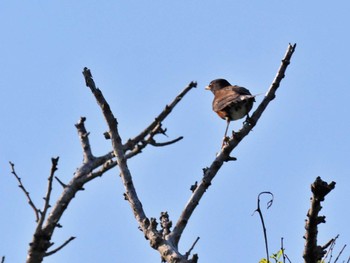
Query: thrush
x=231 y=102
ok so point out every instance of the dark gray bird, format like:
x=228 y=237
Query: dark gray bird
x=231 y=102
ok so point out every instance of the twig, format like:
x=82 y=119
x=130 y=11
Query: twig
x=282 y=249
x=288 y=258
x=60 y=182
x=188 y=253
x=224 y=155
x=3 y=259
x=84 y=139
x=329 y=253
x=31 y=203
x=312 y=251
x=167 y=110
x=160 y=144
x=341 y=251
x=60 y=247
x=54 y=162
x=262 y=221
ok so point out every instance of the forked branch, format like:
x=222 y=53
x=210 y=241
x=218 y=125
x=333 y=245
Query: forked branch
x=148 y=226
x=91 y=168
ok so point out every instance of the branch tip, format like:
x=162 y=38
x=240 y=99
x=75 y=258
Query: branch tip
x=24 y=190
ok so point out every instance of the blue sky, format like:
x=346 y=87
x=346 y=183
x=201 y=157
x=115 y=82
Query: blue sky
x=142 y=54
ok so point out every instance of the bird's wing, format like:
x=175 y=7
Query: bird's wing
x=229 y=95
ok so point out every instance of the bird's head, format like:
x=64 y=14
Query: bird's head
x=217 y=84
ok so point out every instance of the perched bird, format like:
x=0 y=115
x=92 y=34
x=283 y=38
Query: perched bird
x=230 y=102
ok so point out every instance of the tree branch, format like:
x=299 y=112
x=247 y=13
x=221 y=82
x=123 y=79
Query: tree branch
x=44 y=230
x=48 y=192
x=87 y=172
x=167 y=110
x=117 y=145
x=312 y=251
x=84 y=139
x=30 y=201
x=188 y=253
x=147 y=226
x=224 y=155
x=60 y=247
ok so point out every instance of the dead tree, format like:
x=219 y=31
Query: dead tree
x=163 y=239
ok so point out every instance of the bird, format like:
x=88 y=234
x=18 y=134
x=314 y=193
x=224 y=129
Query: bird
x=231 y=102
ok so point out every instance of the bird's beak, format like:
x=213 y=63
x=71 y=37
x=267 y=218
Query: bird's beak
x=207 y=88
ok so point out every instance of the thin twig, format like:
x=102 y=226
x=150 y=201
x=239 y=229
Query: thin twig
x=160 y=144
x=330 y=243
x=341 y=251
x=288 y=258
x=263 y=222
x=282 y=249
x=60 y=182
x=166 y=111
x=3 y=259
x=30 y=201
x=188 y=253
x=54 y=162
x=60 y=247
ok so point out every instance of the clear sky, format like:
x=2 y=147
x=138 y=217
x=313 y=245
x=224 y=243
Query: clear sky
x=141 y=54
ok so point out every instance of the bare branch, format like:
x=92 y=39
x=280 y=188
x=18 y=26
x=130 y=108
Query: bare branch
x=188 y=253
x=161 y=144
x=30 y=201
x=60 y=247
x=48 y=192
x=165 y=248
x=312 y=251
x=43 y=234
x=331 y=244
x=3 y=259
x=224 y=155
x=117 y=148
x=263 y=222
x=341 y=251
x=88 y=171
x=60 y=182
x=84 y=139
x=282 y=249
x=167 y=110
